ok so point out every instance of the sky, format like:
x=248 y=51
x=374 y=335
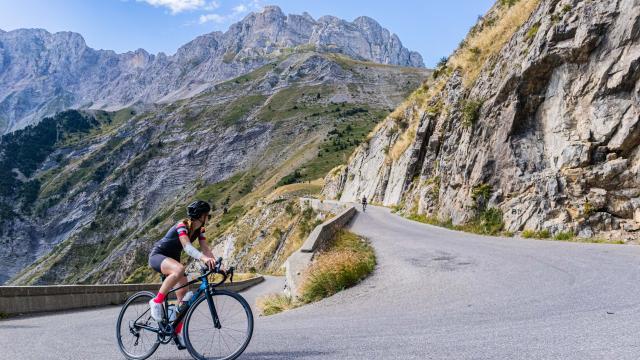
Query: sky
x=431 y=27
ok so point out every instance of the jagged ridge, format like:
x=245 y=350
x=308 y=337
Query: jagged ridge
x=42 y=73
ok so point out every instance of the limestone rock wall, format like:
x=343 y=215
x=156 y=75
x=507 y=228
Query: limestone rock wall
x=555 y=140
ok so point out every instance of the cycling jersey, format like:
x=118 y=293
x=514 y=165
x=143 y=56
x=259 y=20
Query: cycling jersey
x=170 y=244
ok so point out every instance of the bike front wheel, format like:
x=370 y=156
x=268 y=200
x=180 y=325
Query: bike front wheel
x=135 y=339
x=205 y=341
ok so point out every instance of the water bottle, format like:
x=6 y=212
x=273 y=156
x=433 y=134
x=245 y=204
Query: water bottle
x=185 y=301
x=187 y=296
x=172 y=312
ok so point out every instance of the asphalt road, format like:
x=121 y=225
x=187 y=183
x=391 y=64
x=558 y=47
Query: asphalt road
x=436 y=294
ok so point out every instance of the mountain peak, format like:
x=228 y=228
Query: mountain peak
x=366 y=21
x=107 y=80
x=272 y=9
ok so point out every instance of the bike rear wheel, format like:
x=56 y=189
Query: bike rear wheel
x=205 y=341
x=136 y=342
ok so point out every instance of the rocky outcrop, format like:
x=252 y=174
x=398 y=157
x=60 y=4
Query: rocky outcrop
x=43 y=73
x=548 y=132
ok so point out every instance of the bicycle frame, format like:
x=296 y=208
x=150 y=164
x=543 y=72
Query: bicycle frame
x=203 y=288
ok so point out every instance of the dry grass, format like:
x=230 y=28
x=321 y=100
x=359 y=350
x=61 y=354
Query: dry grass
x=313 y=187
x=470 y=59
x=275 y=303
x=349 y=260
x=403 y=143
x=491 y=39
x=410 y=111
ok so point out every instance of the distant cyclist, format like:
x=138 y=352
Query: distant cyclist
x=165 y=256
x=364 y=203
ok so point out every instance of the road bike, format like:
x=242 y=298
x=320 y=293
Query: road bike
x=218 y=324
x=364 y=207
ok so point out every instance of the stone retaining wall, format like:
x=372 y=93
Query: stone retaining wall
x=298 y=262
x=32 y=299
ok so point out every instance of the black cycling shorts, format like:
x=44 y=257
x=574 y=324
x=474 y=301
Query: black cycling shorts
x=156 y=259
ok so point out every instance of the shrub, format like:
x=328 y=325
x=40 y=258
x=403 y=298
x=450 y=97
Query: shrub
x=480 y=195
x=508 y=3
x=588 y=209
x=533 y=31
x=289 y=209
x=292 y=178
x=566 y=235
x=491 y=222
x=471 y=112
x=528 y=234
x=544 y=234
x=476 y=51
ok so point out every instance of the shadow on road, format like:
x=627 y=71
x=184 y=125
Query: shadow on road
x=272 y=355
x=12 y=326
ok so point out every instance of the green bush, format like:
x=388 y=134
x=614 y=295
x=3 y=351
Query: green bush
x=544 y=234
x=588 y=209
x=566 y=235
x=292 y=178
x=471 y=112
x=533 y=31
x=491 y=222
x=480 y=195
x=508 y=3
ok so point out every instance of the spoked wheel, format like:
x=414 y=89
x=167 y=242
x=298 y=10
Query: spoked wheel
x=134 y=340
x=206 y=341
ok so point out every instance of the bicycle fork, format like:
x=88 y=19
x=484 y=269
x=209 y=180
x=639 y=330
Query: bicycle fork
x=212 y=308
x=204 y=286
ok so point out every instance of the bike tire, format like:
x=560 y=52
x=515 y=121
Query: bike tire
x=139 y=300
x=201 y=308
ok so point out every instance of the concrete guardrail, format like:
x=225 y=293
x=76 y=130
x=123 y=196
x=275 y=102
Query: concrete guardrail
x=300 y=260
x=31 y=299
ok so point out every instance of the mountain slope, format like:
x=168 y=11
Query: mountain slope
x=43 y=73
x=95 y=200
x=534 y=118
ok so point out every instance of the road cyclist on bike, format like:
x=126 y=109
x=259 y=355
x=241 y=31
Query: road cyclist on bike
x=165 y=257
x=364 y=203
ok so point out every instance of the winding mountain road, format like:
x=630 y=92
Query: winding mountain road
x=436 y=294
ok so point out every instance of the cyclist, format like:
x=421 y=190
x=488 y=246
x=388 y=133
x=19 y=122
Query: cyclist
x=364 y=203
x=165 y=255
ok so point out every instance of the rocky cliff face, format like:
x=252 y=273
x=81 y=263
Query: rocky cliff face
x=93 y=190
x=543 y=126
x=42 y=73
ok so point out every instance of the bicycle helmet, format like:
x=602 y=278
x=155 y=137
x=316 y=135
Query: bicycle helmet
x=197 y=208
